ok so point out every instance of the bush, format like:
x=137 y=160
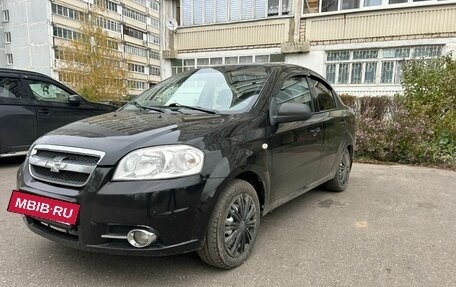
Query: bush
x=388 y=131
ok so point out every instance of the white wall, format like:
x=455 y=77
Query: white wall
x=29 y=27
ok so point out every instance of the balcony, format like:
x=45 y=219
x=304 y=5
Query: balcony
x=259 y=33
x=385 y=24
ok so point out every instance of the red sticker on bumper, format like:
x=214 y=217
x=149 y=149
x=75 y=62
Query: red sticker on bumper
x=42 y=207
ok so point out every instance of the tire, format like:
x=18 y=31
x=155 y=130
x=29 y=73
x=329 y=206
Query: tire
x=340 y=180
x=232 y=230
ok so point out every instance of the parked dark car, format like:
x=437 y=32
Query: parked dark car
x=189 y=165
x=32 y=104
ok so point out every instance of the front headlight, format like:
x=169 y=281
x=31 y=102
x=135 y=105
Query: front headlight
x=160 y=162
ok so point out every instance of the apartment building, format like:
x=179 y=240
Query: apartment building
x=33 y=31
x=358 y=45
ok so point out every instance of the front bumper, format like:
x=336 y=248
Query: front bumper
x=177 y=210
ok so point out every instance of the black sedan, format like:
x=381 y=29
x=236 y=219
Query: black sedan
x=190 y=165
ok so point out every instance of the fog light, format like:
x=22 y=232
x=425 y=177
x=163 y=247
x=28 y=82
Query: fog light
x=140 y=237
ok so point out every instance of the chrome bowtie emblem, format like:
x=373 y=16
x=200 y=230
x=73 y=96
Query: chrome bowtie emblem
x=56 y=164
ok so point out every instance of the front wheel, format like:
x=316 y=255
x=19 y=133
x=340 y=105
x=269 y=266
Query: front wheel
x=233 y=226
x=340 y=180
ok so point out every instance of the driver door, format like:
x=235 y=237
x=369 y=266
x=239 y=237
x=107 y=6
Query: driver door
x=51 y=104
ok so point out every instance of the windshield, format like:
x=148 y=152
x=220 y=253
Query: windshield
x=219 y=89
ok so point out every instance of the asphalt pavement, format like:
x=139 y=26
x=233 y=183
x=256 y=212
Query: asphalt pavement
x=393 y=226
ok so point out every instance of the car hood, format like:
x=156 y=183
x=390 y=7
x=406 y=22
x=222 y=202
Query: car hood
x=118 y=133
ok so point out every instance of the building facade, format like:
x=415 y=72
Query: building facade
x=358 y=45
x=32 y=31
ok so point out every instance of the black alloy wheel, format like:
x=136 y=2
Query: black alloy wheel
x=233 y=226
x=340 y=181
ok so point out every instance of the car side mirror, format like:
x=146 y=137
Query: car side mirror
x=74 y=100
x=291 y=112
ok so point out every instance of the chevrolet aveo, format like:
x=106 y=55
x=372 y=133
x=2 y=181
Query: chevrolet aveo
x=189 y=165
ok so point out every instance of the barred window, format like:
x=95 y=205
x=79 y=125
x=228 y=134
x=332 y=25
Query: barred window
x=135 y=15
x=135 y=50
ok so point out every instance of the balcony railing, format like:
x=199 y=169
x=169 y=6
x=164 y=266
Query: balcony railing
x=261 y=33
x=396 y=23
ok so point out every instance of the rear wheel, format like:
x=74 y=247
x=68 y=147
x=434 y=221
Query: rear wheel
x=233 y=226
x=340 y=180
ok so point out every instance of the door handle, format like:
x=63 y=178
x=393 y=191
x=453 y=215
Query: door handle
x=44 y=111
x=315 y=131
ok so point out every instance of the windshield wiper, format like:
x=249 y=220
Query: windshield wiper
x=157 y=109
x=176 y=105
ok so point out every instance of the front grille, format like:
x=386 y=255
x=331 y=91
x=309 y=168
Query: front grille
x=74 y=158
x=63 y=165
x=62 y=177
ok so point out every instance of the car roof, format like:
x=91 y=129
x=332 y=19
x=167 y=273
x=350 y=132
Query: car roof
x=24 y=72
x=280 y=66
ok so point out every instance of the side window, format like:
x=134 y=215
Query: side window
x=323 y=95
x=48 y=92
x=295 y=90
x=10 y=88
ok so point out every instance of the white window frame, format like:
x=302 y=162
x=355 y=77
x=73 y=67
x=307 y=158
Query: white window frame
x=9 y=59
x=382 y=6
x=227 y=11
x=6 y=16
x=380 y=59
x=7 y=37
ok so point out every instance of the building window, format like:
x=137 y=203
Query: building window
x=197 y=12
x=279 y=7
x=108 y=24
x=136 y=85
x=66 y=33
x=154 y=70
x=322 y=6
x=135 y=50
x=154 y=55
x=67 y=12
x=7 y=37
x=154 y=5
x=142 y=2
x=9 y=59
x=136 y=68
x=106 y=4
x=373 y=66
x=154 y=39
x=132 y=14
x=111 y=6
x=262 y=59
x=6 y=17
x=133 y=32
x=155 y=22
x=180 y=65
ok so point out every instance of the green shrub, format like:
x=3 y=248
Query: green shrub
x=388 y=131
x=430 y=93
